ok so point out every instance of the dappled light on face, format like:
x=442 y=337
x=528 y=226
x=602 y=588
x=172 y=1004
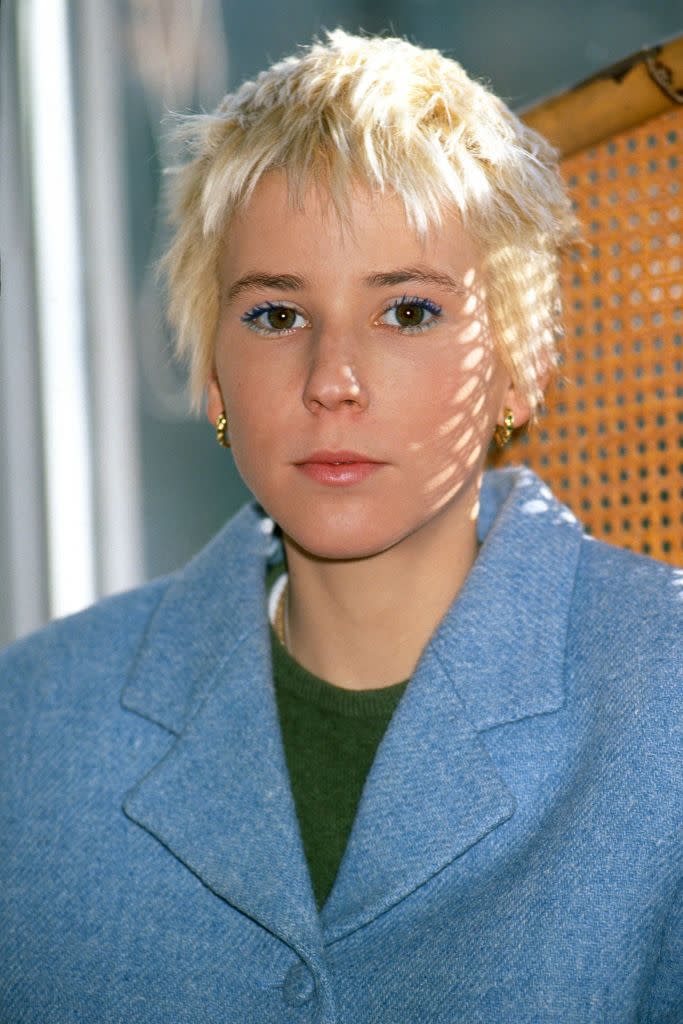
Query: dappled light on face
x=470 y=305
x=472 y=332
x=459 y=479
x=473 y=358
x=467 y=388
x=452 y=423
x=464 y=433
x=478 y=405
x=463 y=440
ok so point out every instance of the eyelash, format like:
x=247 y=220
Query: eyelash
x=252 y=316
x=415 y=300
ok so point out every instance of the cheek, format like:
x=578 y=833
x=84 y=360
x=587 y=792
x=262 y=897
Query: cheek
x=454 y=395
x=449 y=428
x=251 y=397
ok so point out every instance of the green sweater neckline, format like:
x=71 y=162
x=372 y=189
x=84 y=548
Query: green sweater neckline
x=299 y=682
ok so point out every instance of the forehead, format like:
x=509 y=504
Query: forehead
x=271 y=233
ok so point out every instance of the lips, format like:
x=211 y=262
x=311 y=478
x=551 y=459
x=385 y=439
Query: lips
x=339 y=468
x=336 y=458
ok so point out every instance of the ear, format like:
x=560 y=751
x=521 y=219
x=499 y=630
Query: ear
x=214 y=399
x=517 y=404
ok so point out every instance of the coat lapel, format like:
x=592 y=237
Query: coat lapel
x=432 y=792
x=496 y=657
x=221 y=799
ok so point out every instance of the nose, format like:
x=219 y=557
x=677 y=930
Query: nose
x=334 y=377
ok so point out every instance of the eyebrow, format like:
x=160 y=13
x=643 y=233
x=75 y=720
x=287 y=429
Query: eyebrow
x=425 y=275
x=284 y=282
x=380 y=279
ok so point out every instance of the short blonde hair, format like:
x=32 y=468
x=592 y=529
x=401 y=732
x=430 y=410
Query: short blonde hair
x=390 y=115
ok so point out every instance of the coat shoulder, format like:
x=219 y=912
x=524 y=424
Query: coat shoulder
x=91 y=643
x=625 y=626
x=630 y=585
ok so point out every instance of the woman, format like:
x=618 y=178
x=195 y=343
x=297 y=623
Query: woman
x=444 y=783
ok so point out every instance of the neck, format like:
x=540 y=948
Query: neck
x=363 y=623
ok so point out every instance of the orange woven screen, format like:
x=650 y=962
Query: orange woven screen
x=611 y=442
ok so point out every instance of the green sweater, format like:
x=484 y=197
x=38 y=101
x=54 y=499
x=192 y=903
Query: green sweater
x=330 y=737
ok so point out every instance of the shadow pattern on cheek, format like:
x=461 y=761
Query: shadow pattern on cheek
x=463 y=434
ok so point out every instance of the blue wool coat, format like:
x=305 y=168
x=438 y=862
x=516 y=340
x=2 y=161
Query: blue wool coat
x=516 y=854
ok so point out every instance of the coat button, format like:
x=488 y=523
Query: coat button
x=299 y=985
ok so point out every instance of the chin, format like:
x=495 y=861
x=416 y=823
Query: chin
x=337 y=542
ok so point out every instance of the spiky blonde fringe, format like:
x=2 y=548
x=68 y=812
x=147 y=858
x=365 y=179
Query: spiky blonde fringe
x=392 y=116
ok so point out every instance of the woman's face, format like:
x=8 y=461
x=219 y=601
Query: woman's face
x=366 y=340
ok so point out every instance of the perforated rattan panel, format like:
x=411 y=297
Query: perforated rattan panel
x=611 y=442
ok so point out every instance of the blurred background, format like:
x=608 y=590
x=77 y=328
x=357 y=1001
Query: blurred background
x=105 y=479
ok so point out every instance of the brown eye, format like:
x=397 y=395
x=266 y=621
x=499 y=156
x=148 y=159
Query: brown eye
x=270 y=319
x=409 y=314
x=281 y=318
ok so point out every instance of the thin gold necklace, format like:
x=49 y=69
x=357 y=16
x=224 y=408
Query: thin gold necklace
x=280 y=622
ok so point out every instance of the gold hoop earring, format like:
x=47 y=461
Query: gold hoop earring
x=222 y=430
x=503 y=432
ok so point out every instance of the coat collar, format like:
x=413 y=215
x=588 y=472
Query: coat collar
x=221 y=800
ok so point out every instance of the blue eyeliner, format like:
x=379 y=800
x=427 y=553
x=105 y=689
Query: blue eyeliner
x=421 y=303
x=256 y=311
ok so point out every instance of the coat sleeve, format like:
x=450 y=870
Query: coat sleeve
x=664 y=1004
